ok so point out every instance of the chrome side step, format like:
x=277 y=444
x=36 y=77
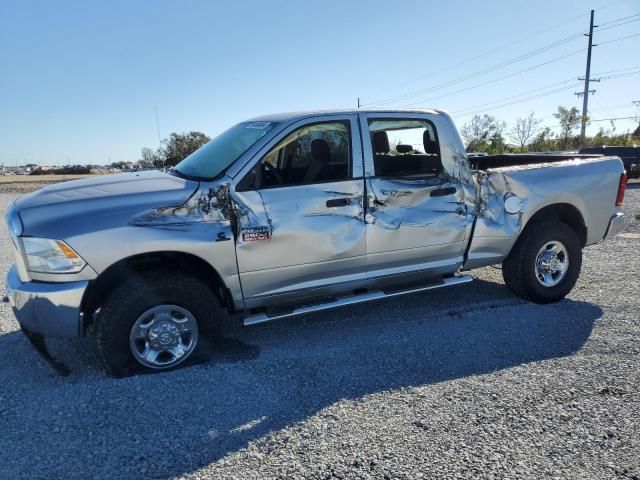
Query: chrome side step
x=353 y=299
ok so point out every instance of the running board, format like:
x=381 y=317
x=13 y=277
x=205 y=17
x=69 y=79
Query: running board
x=353 y=299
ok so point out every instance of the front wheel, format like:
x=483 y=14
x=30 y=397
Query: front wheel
x=155 y=321
x=545 y=263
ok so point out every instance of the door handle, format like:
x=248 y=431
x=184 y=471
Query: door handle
x=338 y=202
x=441 y=192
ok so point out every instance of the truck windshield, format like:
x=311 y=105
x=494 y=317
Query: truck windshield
x=214 y=157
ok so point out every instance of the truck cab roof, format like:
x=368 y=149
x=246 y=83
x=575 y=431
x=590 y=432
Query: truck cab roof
x=289 y=116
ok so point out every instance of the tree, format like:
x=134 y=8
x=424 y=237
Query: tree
x=179 y=146
x=148 y=157
x=570 y=120
x=484 y=133
x=496 y=143
x=524 y=130
x=609 y=137
x=544 y=141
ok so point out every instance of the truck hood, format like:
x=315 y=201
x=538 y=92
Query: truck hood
x=100 y=201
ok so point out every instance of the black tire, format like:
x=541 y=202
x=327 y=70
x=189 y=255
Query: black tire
x=518 y=269
x=126 y=303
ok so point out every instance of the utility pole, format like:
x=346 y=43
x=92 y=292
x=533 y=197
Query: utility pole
x=158 y=130
x=585 y=94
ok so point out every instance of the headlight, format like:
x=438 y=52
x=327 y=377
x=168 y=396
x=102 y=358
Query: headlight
x=13 y=222
x=44 y=255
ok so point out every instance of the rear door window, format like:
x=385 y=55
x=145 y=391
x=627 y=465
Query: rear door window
x=405 y=148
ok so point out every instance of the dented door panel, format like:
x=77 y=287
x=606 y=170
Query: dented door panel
x=418 y=224
x=409 y=229
x=303 y=242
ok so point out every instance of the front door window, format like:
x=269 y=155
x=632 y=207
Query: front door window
x=315 y=153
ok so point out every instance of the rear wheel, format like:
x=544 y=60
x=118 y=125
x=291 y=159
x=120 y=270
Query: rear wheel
x=545 y=263
x=156 y=321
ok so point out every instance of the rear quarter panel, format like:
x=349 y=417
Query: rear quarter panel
x=590 y=185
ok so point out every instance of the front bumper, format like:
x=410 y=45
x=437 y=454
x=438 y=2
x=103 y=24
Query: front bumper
x=615 y=225
x=48 y=309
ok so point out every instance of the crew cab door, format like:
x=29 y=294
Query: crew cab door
x=300 y=211
x=416 y=218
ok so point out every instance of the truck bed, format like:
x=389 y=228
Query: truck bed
x=514 y=159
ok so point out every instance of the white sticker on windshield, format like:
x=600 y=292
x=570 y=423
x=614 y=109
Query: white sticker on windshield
x=258 y=125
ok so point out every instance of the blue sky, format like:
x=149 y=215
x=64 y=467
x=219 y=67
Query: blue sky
x=79 y=80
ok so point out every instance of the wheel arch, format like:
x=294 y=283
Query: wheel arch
x=564 y=212
x=173 y=261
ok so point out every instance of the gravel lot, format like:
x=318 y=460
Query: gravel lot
x=22 y=184
x=459 y=383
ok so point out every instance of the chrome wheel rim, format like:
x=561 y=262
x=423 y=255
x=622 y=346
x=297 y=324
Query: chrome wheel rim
x=552 y=263
x=163 y=336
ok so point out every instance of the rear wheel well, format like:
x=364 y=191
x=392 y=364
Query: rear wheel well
x=565 y=213
x=186 y=263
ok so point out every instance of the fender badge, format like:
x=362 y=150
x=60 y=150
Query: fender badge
x=253 y=234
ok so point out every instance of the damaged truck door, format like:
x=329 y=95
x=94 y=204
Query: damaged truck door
x=416 y=216
x=306 y=229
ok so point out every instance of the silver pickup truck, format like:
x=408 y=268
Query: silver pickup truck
x=293 y=213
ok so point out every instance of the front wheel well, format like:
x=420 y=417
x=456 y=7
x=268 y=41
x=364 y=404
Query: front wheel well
x=565 y=213
x=100 y=288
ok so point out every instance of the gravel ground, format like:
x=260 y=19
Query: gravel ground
x=28 y=183
x=23 y=187
x=459 y=383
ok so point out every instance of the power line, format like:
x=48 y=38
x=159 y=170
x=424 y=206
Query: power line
x=610 y=119
x=515 y=96
x=510 y=62
x=609 y=107
x=609 y=5
x=619 y=25
x=478 y=73
x=618 y=70
x=497 y=79
x=618 y=19
x=587 y=76
x=506 y=76
x=619 y=39
x=521 y=100
x=476 y=109
x=619 y=75
x=549 y=86
x=498 y=48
